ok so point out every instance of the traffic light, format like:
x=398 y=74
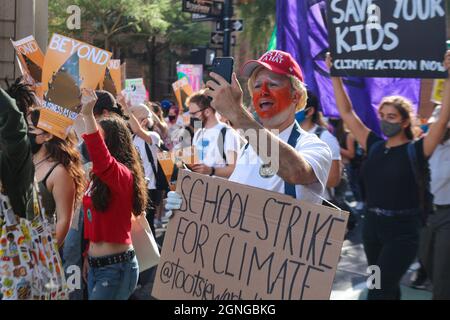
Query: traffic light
x=203 y=55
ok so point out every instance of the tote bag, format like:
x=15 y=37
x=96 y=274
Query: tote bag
x=30 y=265
x=144 y=243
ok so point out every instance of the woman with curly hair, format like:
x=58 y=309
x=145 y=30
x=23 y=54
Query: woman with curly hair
x=116 y=191
x=59 y=173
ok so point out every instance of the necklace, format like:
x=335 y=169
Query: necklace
x=266 y=171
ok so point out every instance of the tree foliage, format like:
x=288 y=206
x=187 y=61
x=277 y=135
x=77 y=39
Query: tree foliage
x=112 y=22
x=259 y=18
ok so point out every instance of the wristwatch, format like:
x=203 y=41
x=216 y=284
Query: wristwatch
x=213 y=171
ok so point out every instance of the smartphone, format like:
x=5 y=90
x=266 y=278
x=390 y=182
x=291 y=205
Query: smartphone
x=224 y=67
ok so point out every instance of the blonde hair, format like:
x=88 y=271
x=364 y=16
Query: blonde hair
x=404 y=107
x=296 y=85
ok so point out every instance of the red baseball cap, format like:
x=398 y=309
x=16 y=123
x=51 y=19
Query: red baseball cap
x=276 y=61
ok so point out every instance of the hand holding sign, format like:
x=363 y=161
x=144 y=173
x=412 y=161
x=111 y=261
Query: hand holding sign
x=88 y=100
x=201 y=168
x=124 y=101
x=328 y=60
x=447 y=61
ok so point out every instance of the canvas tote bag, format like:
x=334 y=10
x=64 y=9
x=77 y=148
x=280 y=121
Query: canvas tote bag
x=144 y=243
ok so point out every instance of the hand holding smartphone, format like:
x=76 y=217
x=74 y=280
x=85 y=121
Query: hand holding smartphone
x=223 y=66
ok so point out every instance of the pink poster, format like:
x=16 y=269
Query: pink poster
x=194 y=73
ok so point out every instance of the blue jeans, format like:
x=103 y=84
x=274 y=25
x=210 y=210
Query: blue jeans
x=114 y=281
x=72 y=255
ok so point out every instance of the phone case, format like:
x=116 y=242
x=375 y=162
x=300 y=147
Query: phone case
x=224 y=67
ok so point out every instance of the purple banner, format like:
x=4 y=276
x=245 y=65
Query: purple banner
x=302 y=31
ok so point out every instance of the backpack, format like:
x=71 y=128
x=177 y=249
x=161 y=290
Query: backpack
x=161 y=180
x=221 y=143
x=359 y=157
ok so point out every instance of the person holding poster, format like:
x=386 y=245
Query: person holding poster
x=216 y=143
x=117 y=190
x=395 y=178
x=59 y=173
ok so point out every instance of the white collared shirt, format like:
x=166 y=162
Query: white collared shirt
x=313 y=150
x=440 y=174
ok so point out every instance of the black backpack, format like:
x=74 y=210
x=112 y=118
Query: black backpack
x=359 y=157
x=221 y=143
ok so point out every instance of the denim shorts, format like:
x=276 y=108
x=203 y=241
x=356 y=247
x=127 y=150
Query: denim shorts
x=113 y=282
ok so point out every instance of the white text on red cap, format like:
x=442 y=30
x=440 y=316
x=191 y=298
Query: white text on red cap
x=273 y=57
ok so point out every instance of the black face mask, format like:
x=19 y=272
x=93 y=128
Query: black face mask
x=172 y=118
x=35 y=147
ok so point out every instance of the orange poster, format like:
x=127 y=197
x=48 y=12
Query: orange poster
x=69 y=65
x=31 y=61
x=165 y=159
x=112 y=81
x=182 y=90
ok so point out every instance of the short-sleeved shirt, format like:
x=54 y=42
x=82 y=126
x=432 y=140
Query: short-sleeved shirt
x=440 y=174
x=388 y=175
x=206 y=142
x=335 y=149
x=331 y=141
x=148 y=170
x=313 y=150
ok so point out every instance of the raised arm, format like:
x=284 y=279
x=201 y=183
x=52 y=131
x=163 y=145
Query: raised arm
x=437 y=130
x=344 y=105
x=134 y=123
x=104 y=166
x=17 y=169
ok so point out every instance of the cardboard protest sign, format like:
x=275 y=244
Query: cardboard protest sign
x=112 y=81
x=135 y=90
x=31 y=61
x=194 y=74
x=166 y=160
x=69 y=66
x=182 y=90
x=186 y=155
x=438 y=91
x=374 y=38
x=230 y=241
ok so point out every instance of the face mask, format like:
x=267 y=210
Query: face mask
x=390 y=129
x=301 y=116
x=35 y=147
x=172 y=118
x=280 y=96
x=196 y=122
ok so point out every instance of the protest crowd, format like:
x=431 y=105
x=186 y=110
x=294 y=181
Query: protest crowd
x=76 y=196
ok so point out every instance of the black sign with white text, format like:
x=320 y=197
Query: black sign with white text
x=395 y=38
x=205 y=7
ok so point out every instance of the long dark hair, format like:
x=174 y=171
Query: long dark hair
x=65 y=152
x=119 y=142
x=23 y=93
x=317 y=117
